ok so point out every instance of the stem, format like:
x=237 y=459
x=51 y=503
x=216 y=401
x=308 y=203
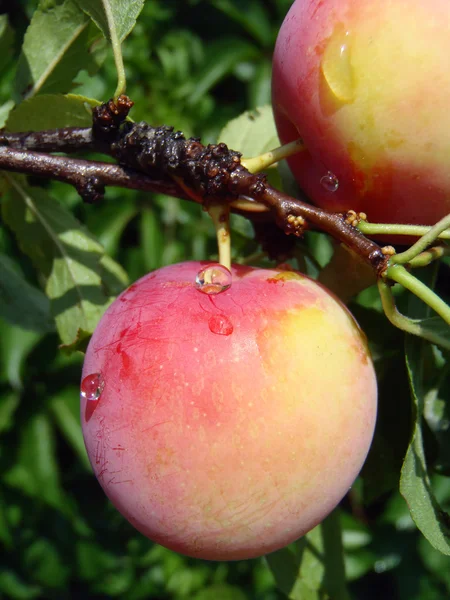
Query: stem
x=398 y=229
x=335 y=580
x=220 y=216
x=263 y=161
x=117 y=51
x=399 y=320
x=430 y=255
x=401 y=275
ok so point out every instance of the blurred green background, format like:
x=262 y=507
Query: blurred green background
x=194 y=65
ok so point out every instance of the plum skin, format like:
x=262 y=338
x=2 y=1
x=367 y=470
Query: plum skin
x=366 y=85
x=227 y=447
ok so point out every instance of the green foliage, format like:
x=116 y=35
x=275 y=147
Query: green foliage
x=204 y=67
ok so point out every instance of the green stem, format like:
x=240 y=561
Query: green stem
x=117 y=51
x=422 y=244
x=401 y=275
x=399 y=320
x=263 y=161
x=398 y=229
x=335 y=580
x=430 y=255
x=220 y=216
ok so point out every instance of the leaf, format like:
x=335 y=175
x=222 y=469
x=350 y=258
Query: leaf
x=21 y=303
x=45 y=564
x=8 y=405
x=251 y=15
x=65 y=407
x=36 y=471
x=15 y=588
x=120 y=15
x=252 y=133
x=55 y=48
x=51 y=111
x=6 y=41
x=5 y=109
x=15 y=346
x=415 y=485
x=225 y=54
x=221 y=591
x=78 y=277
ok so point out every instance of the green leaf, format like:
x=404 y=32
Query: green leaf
x=56 y=47
x=15 y=588
x=51 y=111
x=252 y=133
x=221 y=592
x=65 y=407
x=313 y=567
x=71 y=260
x=8 y=405
x=415 y=484
x=6 y=41
x=21 y=303
x=36 y=471
x=251 y=15
x=45 y=564
x=15 y=345
x=224 y=54
x=108 y=15
x=5 y=109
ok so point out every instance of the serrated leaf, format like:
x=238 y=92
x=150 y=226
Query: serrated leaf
x=51 y=111
x=55 y=48
x=252 y=133
x=120 y=15
x=36 y=472
x=22 y=304
x=69 y=257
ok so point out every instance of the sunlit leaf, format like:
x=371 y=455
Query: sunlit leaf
x=55 y=48
x=67 y=255
x=50 y=111
x=120 y=15
x=252 y=133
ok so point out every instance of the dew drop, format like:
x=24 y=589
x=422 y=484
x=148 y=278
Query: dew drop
x=92 y=386
x=330 y=182
x=213 y=279
x=220 y=324
x=336 y=66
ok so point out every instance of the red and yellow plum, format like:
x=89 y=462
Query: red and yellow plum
x=225 y=426
x=366 y=85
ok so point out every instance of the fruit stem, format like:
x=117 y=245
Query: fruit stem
x=117 y=50
x=398 y=229
x=413 y=326
x=425 y=258
x=220 y=215
x=263 y=161
x=335 y=580
x=399 y=274
x=432 y=234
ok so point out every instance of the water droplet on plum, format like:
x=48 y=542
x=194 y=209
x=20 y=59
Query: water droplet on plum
x=92 y=386
x=213 y=279
x=220 y=324
x=336 y=66
x=330 y=182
